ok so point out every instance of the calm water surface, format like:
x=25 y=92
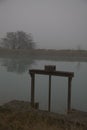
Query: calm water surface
x=15 y=83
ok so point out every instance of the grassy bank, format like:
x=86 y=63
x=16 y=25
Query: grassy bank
x=43 y=54
x=17 y=116
x=49 y=52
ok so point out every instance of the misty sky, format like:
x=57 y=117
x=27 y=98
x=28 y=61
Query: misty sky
x=55 y=24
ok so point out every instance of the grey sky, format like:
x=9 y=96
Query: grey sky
x=57 y=24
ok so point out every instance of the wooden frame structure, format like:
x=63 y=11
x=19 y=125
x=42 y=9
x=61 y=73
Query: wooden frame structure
x=70 y=75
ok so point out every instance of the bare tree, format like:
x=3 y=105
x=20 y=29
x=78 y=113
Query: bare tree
x=18 y=40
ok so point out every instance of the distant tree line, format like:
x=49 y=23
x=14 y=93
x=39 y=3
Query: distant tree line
x=18 y=40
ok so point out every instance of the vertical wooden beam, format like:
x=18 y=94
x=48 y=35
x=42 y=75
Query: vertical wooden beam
x=32 y=89
x=49 y=93
x=69 y=95
x=50 y=70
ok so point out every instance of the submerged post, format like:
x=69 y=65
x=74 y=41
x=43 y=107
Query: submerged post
x=69 y=95
x=49 y=68
x=32 y=88
x=49 y=98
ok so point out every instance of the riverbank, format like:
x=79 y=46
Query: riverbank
x=18 y=115
x=36 y=52
x=43 y=54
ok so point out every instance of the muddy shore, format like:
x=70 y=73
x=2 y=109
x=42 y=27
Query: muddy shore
x=19 y=111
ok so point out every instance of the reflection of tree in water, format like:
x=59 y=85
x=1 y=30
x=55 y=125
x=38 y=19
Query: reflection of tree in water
x=78 y=65
x=17 y=64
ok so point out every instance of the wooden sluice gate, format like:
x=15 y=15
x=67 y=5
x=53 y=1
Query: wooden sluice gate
x=50 y=70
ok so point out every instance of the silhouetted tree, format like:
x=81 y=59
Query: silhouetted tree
x=18 y=40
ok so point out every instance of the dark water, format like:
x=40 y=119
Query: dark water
x=15 y=83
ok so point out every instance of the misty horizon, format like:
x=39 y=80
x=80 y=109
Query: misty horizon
x=54 y=24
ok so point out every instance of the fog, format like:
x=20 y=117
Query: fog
x=55 y=24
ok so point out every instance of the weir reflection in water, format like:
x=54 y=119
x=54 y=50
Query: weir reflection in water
x=15 y=82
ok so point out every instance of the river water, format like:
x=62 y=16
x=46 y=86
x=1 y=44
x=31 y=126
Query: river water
x=15 y=83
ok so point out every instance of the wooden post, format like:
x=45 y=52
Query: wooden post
x=69 y=95
x=49 y=98
x=32 y=89
x=51 y=71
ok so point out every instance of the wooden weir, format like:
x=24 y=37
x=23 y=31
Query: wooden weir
x=51 y=71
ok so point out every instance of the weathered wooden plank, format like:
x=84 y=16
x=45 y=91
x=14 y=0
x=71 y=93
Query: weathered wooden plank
x=54 y=73
x=51 y=72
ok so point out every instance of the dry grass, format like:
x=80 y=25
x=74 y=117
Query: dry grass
x=61 y=55
x=5 y=51
x=33 y=120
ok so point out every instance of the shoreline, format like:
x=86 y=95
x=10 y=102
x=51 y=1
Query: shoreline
x=19 y=114
x=43 y=54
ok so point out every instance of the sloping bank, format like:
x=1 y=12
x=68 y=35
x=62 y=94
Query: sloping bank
x=45 y=54
x=18 y=115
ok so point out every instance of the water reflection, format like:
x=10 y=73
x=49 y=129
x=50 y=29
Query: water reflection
x=18 y=65
x=78 y=65
x=21 y=65
x=19 y=86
